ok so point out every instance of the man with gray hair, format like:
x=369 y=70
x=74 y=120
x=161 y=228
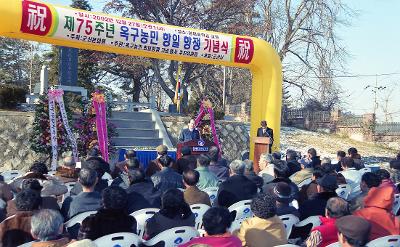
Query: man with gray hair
x=87 y=200
x=47 y=227
x=327 y=233
x=266 y=167
x=250 y=174
x=67 y=171
x=237 y=187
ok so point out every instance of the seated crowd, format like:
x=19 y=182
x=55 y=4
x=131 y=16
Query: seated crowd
x=36 y=206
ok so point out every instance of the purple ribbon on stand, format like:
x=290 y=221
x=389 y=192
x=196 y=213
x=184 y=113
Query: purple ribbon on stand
x=101 y=123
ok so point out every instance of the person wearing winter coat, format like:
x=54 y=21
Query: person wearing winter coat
x=378 y=211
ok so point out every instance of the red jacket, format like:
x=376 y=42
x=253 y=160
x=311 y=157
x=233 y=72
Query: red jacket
x=378 y=211
x=328 y=231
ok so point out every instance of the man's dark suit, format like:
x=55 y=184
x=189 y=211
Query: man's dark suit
x=235 y=188
x=268 y=133
x=187 y=135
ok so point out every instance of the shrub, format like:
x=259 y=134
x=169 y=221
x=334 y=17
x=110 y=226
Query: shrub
x=11 y=95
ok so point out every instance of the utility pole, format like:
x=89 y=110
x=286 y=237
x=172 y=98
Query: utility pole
x=224 y=90
x=375 y=88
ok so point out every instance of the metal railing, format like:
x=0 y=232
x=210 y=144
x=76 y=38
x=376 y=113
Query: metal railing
x=130 y=106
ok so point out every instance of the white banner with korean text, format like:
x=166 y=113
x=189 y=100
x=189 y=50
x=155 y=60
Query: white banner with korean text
x=138 y=35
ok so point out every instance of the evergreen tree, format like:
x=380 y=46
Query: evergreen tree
x=53 y=61
x=81 y=4
x=14 y=61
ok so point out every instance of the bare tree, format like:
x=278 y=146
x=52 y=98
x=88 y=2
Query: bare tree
x=305 y=35
x=216 y=15
x=130 y=72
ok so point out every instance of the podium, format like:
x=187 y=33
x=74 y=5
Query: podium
x=196 y=146
x=261 y=145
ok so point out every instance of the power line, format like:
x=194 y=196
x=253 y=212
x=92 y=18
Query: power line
x=355 y=76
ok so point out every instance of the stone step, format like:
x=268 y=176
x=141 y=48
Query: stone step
x=136 y=141
x=131 y=115
x=134 y=132
x=133 y=123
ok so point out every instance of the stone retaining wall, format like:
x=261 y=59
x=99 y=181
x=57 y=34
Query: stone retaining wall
x=15 y=129
x=233 y=135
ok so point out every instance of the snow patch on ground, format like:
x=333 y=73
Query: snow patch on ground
x=328 y=144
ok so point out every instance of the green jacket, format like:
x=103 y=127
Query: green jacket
x=207 y=179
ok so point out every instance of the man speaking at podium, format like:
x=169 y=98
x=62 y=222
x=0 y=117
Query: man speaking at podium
x=264 y=131
x=190 y=133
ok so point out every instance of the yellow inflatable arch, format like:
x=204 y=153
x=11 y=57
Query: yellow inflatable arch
x=64 y=26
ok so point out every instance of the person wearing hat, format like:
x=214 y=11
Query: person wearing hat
x=326 y=233
x=280 y=175
x=283 y=195
x=326 y=187
x=155 y=165
x=191 y=133
x=47 y=202
x=353 y=231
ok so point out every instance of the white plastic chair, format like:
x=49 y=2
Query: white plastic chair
x=304 y=182
x=337 y=244
x=141 y=217
x=202 y=232
x=236 y=224
x=364 y=170
x=294 y=204
x=174 y=237
x=10 y=175
x=29 y=244
x=343 y=191
x=289 y=220
x=396 y=204
x=77 y=219
x=242 y=209
x=373 y=167
x=122 y=239
x=52 y=173
x=314 y=220
x=212 y=193
x=107 y=176
x=199 y=210
x=388 y=241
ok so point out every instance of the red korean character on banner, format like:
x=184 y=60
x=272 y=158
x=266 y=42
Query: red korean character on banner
x=36 y=18
x=244 y=50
